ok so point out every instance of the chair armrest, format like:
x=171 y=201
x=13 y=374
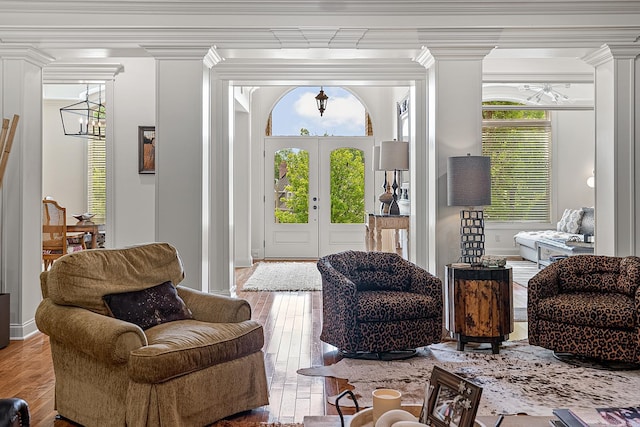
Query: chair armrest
x=107 y=339
x=545 y=284
x=423 y=282
x=338 y=296
x=215 y=308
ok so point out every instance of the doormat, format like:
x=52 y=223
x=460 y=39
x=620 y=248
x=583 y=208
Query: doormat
x=521 y=378
x=284 y=276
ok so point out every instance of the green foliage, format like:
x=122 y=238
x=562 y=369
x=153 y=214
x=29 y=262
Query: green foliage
x=297 y=205
x=347 y=186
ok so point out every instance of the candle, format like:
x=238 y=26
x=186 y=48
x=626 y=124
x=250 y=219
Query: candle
x=385 y=399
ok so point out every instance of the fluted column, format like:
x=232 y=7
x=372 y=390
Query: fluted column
x=617 y=192
x=21 y=194
x=455 y=129
x=180 y=164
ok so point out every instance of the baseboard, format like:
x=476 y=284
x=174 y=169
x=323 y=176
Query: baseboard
x=24 y=331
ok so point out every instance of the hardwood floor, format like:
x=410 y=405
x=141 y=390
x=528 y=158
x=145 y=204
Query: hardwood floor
x=291 y=321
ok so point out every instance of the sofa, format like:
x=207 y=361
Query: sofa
x=378 y=302
x=130 y=346
x=574 y=224
x=587 y=305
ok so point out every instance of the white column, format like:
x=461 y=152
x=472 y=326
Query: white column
x=179 y=156
x=455 y=129
x=617 y=85
x=21 y=197
x=220 y=211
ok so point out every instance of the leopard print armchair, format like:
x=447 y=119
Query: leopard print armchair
x=587 y=305
x=377 y=302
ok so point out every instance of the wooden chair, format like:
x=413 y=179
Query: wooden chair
x=55 y=241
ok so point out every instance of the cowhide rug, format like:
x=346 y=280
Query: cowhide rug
x=522 y=378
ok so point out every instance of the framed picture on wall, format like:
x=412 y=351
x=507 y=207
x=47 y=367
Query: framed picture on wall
x=146 y=149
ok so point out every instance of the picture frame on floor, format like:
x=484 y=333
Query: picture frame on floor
x=453 y=401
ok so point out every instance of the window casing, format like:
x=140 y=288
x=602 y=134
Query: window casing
x=97 y=178
x=520 y=151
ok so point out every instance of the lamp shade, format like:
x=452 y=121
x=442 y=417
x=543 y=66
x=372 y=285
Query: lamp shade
x=394 y=155
x=469 y=181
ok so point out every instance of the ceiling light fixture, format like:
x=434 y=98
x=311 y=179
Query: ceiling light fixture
x=85 y=118
x=321 y=100
x=547 y=90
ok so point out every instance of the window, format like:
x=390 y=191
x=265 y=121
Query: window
x=97 y=178
x=519 y=144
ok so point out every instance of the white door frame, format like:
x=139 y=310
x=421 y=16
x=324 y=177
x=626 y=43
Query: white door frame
x=319 y=236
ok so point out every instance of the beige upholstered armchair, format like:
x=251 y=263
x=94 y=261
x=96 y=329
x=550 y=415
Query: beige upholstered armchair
x=587 y=305
x=130 y=347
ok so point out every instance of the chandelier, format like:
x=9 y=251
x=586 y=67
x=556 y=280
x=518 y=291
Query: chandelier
x=321 y=100
x=547 y=91
x=85 y=118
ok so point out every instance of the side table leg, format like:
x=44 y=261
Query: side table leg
x=495 y=347
x=460 y=344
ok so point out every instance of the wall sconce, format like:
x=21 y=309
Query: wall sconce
x=591 y=181
x=321 y=100
x=469 y=184
x=394 y=155
x=88 y=117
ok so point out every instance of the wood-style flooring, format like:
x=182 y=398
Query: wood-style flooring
x=292 y=322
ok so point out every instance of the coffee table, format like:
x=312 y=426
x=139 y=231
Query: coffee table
x=489 y=421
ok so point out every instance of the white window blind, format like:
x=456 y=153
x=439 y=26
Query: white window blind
x=520 y=152
x=97 y=178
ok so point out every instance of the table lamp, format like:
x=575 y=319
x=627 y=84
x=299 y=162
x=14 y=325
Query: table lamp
x=469 y=184
x=386 y=197
x=394 y=155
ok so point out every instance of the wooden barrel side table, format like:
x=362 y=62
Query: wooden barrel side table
x=479 y=305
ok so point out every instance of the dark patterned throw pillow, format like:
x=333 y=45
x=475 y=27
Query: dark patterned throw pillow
x=149 y=307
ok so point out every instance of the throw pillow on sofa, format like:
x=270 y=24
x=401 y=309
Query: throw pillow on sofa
x=571 y=220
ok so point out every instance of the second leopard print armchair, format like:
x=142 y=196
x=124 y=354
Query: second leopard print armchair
x=587 y=305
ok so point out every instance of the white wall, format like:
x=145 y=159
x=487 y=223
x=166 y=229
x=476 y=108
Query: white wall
x=64 y=161
x=134 y=102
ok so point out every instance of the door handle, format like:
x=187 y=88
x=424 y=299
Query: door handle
x=315 y=207
x=315 y=199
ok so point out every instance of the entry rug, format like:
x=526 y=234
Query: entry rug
x=522 y=378
x=284 y=276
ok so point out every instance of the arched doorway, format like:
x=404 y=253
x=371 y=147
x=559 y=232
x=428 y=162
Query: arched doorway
x=316 y=183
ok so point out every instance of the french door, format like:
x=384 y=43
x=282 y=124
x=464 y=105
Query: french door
x=315 y=192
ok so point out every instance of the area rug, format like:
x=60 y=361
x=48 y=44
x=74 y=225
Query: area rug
x=284 y=276
x=523 y=271
x=521 y=378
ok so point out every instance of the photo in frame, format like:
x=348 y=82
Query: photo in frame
x=452 y=401
x=146 y=149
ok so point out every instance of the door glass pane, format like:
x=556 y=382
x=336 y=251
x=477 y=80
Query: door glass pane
x=291 y=186
x=347 y=186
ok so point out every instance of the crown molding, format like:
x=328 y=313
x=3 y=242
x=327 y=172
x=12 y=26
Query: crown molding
x=183 y=52
x=326 y=7
x=61 y=72
x=590 y=37
x=524 y=77
x=608 y=52
x=300 y=72
x=25 y=53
